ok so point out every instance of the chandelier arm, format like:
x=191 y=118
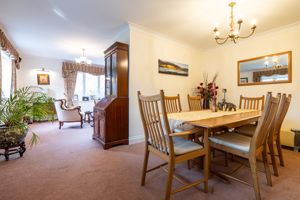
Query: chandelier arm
x=243 y=37
x=224 y=40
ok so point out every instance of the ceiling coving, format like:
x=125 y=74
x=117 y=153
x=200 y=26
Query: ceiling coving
x=234 y=33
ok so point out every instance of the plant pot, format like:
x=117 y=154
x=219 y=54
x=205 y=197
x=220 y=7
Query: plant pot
x=12 y=141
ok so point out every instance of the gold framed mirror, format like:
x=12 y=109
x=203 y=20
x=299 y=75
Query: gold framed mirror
x=269 y=69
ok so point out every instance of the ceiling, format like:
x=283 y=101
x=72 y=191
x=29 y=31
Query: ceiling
x=59 y=29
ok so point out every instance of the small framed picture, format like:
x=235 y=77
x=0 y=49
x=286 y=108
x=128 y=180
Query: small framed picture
x=244 y=80
x=43 y=79
x=85 y=98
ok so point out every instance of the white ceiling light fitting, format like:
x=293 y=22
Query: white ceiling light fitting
x=83 y=59
x=234 y=34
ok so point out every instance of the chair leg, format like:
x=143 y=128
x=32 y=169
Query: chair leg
x=146 y=158
x=59 y=125
x=272 y=154
x=252 y=162
x=279 y=151
x=267 y=168
x=226 y=159
x=170 y=179
x=81 y=124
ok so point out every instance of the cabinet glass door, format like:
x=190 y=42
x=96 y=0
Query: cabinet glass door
x=108 y=76
x=114 y=74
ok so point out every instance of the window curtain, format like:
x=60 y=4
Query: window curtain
x=69 y=73
x=257 y=75
x=6 y=45
x=0 y=75
x=13 y=78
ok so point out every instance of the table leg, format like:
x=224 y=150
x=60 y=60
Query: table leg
x=206 y=159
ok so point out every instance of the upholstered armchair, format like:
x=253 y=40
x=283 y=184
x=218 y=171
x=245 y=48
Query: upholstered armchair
x=67 y=114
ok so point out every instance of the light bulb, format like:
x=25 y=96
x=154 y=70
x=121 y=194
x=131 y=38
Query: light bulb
x=253 y=22
x=217 y=33
x=236 y=32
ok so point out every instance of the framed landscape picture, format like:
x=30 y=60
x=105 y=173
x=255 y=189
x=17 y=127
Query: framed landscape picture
x=166 y=67
x=43 y=79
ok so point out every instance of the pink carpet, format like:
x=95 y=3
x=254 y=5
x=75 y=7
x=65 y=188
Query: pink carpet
x=67 y=164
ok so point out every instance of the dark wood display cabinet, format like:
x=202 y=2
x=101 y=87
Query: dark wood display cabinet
x=111 y=112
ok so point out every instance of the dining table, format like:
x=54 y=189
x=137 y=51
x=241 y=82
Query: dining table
x=208 y=121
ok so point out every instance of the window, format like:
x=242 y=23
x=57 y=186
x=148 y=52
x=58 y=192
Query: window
x=275 y=77
x=6 y=74
x=88 y=85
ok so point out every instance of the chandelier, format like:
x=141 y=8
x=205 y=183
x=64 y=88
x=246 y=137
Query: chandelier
x=83 y=59
x=234 y=34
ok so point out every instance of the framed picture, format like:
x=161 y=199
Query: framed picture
x=166 y=67
x=85 y=98
x=244 y=80
x=43 y=79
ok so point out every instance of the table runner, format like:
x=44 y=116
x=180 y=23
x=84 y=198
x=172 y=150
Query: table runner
x=177 y=119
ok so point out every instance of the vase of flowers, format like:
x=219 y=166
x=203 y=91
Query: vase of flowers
x=208 y=92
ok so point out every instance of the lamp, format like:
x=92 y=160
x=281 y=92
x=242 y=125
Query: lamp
x=83 y=59
x=233 y=34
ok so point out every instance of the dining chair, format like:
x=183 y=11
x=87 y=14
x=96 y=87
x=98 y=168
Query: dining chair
x=194 y=102
x=255 y=103
x=170 y=147
x=250 y=148
x=274 y=135
x=173 y=104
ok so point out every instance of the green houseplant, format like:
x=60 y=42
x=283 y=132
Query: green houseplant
x=13 y=110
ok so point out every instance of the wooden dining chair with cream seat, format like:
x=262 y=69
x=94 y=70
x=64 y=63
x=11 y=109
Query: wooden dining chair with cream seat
x=170 y=147
x=250 y=148
x=195 y=102
x=173 y=104
x=255 y=103
x=274 y=135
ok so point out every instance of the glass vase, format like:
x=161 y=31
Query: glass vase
x=214 y=105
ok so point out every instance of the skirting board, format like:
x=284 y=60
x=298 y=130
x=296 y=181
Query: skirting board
x=136 y=139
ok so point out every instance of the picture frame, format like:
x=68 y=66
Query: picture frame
x=173 y=68
x=85 y=98
x=244 y=80
x=43 y=79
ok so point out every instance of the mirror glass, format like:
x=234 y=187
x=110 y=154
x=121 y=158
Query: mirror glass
x=274 y=68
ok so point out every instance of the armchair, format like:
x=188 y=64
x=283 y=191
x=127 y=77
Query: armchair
x=67 y=114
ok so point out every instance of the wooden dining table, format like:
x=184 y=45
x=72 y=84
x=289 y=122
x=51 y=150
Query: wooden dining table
x=209 y=121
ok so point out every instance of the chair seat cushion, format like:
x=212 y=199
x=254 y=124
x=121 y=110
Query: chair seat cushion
x=247 y=130
x=182 y=146
x=183 y=127
x=233 y=140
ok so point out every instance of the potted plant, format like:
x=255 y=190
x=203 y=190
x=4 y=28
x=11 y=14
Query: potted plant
x=13 y=112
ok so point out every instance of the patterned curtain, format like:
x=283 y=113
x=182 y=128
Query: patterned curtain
x=69 y=72
x=0 y=75
x=13 y=78
x=7 y=46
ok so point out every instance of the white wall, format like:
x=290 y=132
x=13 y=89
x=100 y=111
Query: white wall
x=224 y=60
x=145 y=49
x=27 y=75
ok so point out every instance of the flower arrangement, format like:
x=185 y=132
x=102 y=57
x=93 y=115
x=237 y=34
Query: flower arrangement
x=208 y=90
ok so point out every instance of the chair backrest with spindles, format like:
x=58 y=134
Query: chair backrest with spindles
x=172 y=104
x=156 y=132
x=255 y=103
x=194 y=102
x=280 y=115
x=265 y=122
